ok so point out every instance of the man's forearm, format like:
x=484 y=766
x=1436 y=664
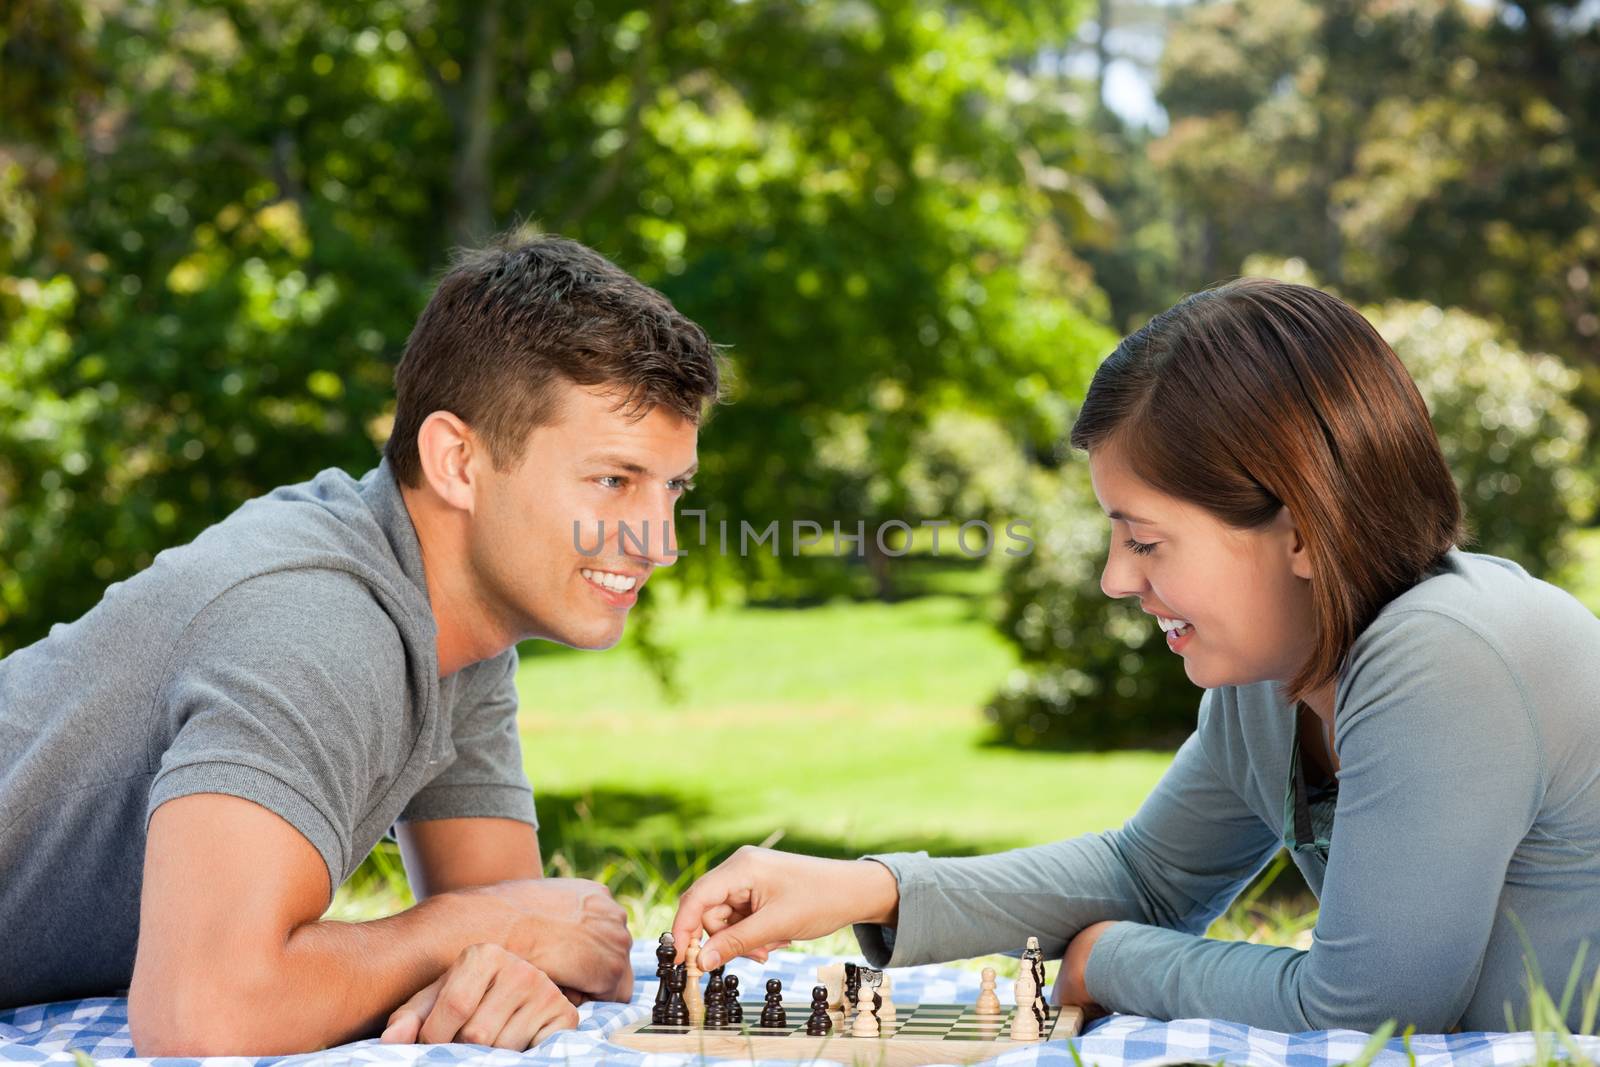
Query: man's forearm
x=343 y=979
x=328 y=983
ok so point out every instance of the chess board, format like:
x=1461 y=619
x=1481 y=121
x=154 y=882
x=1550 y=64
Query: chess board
x=920 y=1034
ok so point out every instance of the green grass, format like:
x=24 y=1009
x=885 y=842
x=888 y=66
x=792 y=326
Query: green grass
x=837 y=729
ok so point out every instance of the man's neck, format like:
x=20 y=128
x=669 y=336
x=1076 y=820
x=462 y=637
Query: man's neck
x=467 y=632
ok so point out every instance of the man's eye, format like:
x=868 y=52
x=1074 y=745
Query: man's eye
x=613 y=481
x=1139 y=548
x=680 y=485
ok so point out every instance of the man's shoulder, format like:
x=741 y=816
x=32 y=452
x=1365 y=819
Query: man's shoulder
x=292 y=549
x=298 y=606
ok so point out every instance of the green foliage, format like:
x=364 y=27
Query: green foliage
x=219 y=220
x=1447 y=152
x=1098 y=673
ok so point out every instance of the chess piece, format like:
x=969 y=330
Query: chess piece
x=831 y=975
x=665 y=952
x=988 y=1000
x=1024 y=1023
x=716 y=1002
x=773 y=1016
x=693 y=997
x=885 y=1001
x=730 y=995
x=852 y=987
x=866 y=1021
x=1035 y=960
x=677 y=1013
x=820 y=1024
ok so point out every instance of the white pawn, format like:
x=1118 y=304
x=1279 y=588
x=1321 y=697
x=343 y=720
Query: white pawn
x=694 y=997
x=866 y=1024
x=1024 y=1023
x=886 y=991
x=988 y=1000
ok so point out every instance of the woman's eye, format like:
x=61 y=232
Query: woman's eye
x=1139 y=548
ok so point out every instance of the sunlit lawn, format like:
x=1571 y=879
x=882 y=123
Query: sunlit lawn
x=842 y=727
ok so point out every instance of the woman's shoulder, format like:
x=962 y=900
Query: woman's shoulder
x=1479 y=623
x=1492 y=599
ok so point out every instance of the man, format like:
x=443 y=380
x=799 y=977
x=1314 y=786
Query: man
x=190 y=770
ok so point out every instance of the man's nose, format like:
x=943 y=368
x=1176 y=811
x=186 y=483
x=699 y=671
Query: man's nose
x=650 y=540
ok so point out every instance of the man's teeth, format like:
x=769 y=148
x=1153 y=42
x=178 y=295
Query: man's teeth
x=1169 y=625
x=617 y=583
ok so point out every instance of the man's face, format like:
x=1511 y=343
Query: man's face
x=537 y=550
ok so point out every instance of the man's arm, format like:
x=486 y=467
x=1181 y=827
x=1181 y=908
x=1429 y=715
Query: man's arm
x=233 y=958
x=446 y=854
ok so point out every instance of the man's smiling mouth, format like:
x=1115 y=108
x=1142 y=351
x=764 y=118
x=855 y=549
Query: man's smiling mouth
x=617 y=583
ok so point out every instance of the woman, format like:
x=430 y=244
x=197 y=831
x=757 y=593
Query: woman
x=1419 y=725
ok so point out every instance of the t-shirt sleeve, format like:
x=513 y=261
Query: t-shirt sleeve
x=1188 y=850
x=287 y=690
x=486 y=779
x=1439 y=780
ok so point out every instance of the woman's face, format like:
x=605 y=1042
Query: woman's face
x=1244 y=596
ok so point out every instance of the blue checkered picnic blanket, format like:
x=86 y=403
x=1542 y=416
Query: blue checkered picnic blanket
x=98 y=1027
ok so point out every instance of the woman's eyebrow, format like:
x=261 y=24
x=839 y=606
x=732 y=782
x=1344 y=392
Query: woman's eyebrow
x=1129 y=518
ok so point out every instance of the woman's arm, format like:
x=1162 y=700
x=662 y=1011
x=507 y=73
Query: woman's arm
x=1439 y=782
x=1187 y=852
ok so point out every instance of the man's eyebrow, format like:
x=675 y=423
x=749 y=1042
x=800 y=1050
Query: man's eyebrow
x=612 y=459
x=1129 y=518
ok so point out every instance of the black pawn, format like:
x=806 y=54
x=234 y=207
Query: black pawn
x=730 y=995
x=852 y=986
x=820 y=1024
x=772 y=1013
x=664 y=953
x=677 y=1010
x=716 y=1003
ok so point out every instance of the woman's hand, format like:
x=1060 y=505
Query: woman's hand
x=1070 y=991
x=759 y=900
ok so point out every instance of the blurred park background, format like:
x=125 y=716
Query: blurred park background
x=917 y=227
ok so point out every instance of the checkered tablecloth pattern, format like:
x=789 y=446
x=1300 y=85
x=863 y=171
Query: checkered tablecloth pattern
x=98 y=1028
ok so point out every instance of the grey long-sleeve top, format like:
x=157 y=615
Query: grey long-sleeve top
x=1467 y=726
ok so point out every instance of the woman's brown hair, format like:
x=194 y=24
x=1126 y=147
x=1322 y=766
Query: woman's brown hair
x=1257 y=395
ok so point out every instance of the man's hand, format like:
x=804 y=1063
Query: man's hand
x=569 y=928
x=489 y=996
x=759 y=900
x=1070 y=991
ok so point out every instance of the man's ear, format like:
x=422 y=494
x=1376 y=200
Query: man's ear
x=447 y=447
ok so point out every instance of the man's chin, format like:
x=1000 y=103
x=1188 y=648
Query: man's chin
x=591 y=642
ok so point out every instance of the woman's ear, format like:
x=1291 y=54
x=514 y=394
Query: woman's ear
x=1299 y=556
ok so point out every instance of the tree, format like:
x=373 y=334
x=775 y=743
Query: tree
x=226 y=217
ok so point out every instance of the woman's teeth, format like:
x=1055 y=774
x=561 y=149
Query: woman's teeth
x=617 y=583
x=1174 y=627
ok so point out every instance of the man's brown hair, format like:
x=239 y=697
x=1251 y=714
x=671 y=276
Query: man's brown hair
x=1259 y=394
x=511 y=321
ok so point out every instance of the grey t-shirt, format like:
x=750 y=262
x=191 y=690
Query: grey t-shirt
x=1467 y=725
x=286 y=656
